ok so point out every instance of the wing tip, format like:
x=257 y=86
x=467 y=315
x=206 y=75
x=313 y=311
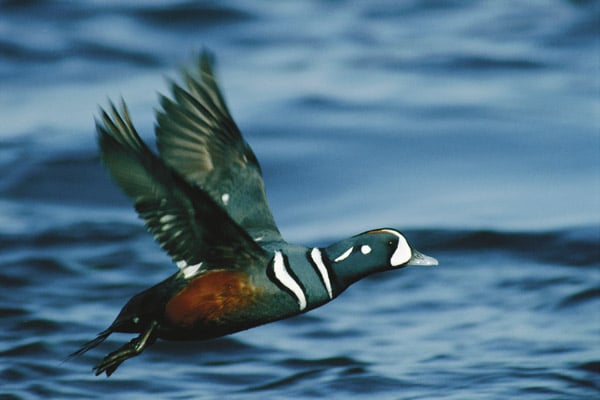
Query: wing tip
x=115 y=122
x=206 y=61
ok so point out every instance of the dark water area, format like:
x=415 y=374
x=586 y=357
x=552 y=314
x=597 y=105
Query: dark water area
x=472 y=126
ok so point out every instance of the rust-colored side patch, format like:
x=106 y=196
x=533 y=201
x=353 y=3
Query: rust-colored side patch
x=211 y=297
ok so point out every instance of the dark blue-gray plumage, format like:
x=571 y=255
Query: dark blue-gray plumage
x=204 y=201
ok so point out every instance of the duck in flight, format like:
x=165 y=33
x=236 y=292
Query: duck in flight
x=203 y=199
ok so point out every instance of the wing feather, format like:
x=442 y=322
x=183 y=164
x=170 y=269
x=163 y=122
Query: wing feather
x=198 y=138
x=184 y=219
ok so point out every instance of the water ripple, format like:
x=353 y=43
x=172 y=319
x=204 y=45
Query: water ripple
x=469 y=120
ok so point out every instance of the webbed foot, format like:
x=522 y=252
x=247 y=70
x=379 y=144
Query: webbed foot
x=112 y=361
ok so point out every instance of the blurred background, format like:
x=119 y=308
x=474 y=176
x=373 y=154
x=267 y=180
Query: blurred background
x=473 y=126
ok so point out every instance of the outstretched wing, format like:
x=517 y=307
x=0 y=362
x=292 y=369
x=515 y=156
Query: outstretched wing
x=198 y=138
x=186 y=222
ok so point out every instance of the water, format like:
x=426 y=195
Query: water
x=470 y=125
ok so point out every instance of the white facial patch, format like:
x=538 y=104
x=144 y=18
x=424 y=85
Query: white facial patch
x=365 y=249
x=344 y=255
x=403 y=253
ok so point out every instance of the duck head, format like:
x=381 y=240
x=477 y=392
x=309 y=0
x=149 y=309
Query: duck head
x=373 y=251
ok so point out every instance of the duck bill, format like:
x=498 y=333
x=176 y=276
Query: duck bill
x=420 y=259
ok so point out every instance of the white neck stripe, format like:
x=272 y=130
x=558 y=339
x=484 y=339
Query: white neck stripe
x=283 y=276
x=317 y=258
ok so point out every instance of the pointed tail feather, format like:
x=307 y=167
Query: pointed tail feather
x=92 y=343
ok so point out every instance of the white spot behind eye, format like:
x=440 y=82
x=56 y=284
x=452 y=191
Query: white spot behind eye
x=365 y=249
x=225 y=198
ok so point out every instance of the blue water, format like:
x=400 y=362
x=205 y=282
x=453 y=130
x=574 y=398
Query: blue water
x=473 y=126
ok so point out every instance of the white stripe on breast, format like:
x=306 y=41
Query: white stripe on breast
x=284 y=277
x=317 y=258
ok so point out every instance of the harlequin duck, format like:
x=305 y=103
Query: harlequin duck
x=203 y=199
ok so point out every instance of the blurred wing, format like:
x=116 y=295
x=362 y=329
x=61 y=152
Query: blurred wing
x=184 y=219
x=197 y=137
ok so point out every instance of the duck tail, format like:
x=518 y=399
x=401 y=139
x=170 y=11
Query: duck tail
x=92 y=343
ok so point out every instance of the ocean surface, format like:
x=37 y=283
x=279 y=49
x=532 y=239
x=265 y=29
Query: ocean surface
x=472 y=126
